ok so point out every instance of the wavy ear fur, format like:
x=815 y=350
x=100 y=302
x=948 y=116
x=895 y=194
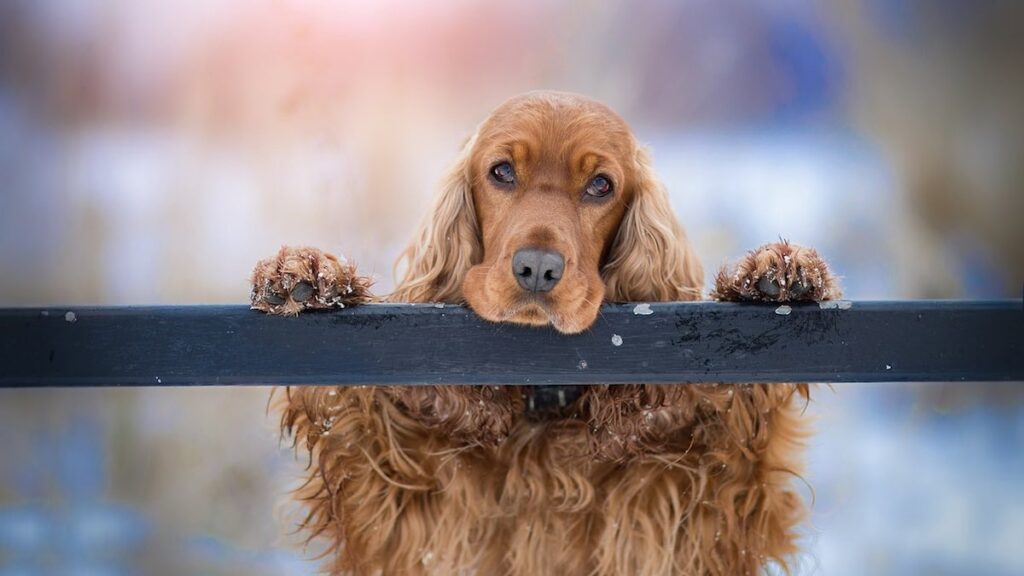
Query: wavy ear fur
x=651 y=259
x=447 y=243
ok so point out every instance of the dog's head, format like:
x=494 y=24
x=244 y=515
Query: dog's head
x=550 y=209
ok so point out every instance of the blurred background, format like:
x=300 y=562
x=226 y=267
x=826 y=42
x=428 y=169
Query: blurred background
x=152 y=152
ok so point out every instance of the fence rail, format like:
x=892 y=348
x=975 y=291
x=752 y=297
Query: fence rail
x=427 y=344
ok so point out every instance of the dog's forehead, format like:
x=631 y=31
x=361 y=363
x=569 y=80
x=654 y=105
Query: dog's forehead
x=554 y=106
x=563 y=121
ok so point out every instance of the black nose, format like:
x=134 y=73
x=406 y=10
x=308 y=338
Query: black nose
x=537 y=270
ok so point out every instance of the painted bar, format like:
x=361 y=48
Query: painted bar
x=430 y=344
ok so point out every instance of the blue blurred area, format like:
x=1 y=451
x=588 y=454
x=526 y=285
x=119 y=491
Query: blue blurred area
x=914 y=487
x=61 y=512
x=65 y=523
x=813 y=73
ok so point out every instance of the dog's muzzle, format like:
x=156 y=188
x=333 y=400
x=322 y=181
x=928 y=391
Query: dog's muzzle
x=547 y=401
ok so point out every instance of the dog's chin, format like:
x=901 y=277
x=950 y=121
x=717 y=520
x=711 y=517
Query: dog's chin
x=536 y=311
x=531 y=315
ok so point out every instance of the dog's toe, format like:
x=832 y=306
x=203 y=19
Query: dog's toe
x=272 y=298
x=800 y=287
x=302 y=291
x=769 y=286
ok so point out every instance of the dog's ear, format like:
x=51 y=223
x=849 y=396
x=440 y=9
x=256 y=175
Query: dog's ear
x=447 y=243
x=650 y=258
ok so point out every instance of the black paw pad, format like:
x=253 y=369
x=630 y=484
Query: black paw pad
x=302 y=291
x=799 y=288
x=769 y=287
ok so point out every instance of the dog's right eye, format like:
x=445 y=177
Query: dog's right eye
x=503 y=173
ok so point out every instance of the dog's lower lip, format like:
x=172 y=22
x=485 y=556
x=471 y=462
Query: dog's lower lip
x=526 y=304
x=536 y=300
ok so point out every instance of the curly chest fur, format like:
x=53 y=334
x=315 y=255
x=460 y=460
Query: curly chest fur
x=632 y=480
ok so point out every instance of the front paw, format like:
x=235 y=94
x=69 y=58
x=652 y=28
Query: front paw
x=777 y=272
x=300 y=278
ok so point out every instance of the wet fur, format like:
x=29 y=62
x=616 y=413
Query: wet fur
x=647 y=480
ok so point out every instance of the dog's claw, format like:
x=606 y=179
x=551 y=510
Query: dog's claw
x=272 y=298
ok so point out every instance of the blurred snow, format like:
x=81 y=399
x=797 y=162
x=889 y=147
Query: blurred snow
x=904 y=488
x=737 y=190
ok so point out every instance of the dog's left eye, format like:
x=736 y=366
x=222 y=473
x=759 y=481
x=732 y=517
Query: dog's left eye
x=599 y=187
x=503 y=173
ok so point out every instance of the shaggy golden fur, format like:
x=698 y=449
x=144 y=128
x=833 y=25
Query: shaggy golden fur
x=630 y=479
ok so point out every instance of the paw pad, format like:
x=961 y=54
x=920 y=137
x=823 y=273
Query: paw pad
x=302 y=291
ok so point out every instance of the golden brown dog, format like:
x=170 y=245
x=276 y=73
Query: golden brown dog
x=551 y=209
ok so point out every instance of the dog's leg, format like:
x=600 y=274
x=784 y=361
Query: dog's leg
x=373 y=487
x=724 y=505
x=777 y=272
x=770 y=415
x=301 y=278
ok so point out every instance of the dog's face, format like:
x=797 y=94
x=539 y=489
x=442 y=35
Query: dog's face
x=551 y=209
x=550 y=184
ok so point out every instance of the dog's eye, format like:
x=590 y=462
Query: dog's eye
x=503 y=173
x=599 y=187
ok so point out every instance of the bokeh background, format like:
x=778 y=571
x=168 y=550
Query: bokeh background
x=151 y=152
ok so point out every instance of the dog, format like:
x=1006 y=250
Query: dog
x=551 y=209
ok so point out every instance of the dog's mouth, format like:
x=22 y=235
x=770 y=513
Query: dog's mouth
x=533 y=310
x=526 y=310
x=551 y=401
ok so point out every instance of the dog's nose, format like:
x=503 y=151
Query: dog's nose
x=537 y=270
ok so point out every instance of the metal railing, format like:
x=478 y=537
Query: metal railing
x=427 y=344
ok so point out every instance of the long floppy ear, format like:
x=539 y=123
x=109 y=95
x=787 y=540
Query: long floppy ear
x=651 y=259
x=447 y=243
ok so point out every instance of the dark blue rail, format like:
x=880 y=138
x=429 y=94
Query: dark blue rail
x=426 y=344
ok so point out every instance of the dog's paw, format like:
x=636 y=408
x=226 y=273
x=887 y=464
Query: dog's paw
x=300 y=278
x=777 y=272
